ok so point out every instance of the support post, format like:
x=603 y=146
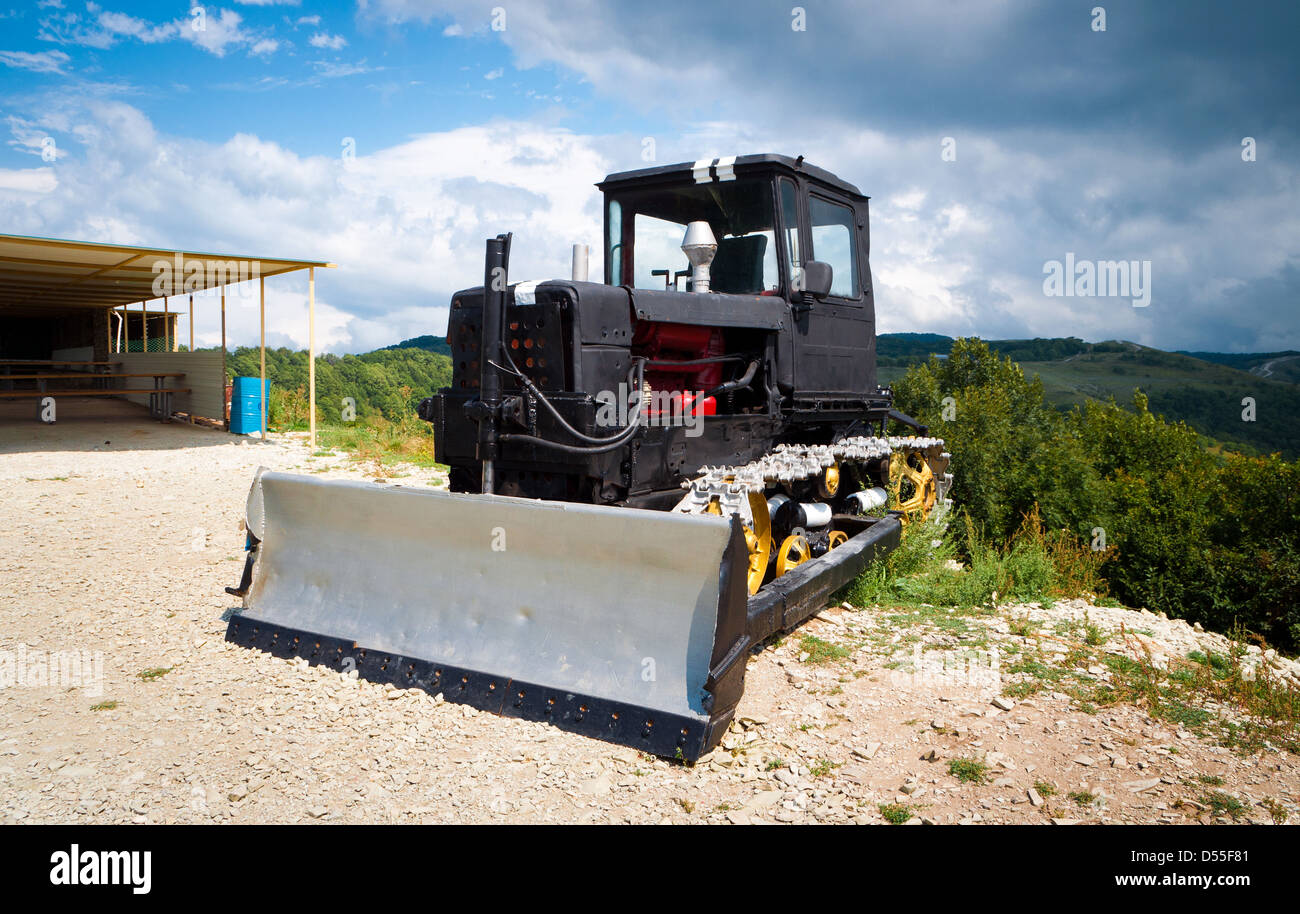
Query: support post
x=311 y=354
x=144 y=324
x=262 y=343
x=191 y=322
x=167 y=327
x=225 y=406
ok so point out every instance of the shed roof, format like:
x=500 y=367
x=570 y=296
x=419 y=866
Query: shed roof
x=40 y=275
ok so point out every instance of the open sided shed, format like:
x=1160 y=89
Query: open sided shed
x=75 y=305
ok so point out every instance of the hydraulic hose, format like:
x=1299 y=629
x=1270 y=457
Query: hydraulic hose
x=743 y=381
x=595 y=445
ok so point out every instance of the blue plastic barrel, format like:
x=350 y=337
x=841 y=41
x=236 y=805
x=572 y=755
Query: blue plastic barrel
x=246 y=405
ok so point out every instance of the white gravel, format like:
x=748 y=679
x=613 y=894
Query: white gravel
x=124 y=550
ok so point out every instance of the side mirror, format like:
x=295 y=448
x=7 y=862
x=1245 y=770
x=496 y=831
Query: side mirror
x=816 y=279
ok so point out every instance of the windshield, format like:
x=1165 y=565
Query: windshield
x=646 y=229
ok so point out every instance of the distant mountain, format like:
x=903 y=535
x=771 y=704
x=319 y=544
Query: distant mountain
x=1206 y=390
x=428 y=343
x=1278 y=366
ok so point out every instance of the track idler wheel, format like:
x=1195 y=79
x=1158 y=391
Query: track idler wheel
x=758 y=540
x=912 y=485
x=829 y=483
x=794 y=551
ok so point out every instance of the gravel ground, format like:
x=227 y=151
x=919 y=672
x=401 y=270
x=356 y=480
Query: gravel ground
x=118 y=539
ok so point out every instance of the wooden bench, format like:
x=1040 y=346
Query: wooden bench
x=52 y=362
x=42 y=377
x=160 y=398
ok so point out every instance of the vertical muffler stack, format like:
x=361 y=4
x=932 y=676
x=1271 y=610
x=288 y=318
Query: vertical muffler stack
x=496 y=267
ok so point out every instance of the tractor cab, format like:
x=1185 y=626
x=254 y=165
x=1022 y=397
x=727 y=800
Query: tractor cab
x=764 y=237
x=776 y=227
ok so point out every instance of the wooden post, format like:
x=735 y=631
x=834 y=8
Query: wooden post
x=225 y=410
x=167 y=328
x=262 y=343
x=311 y=354
x=191 y=322
x=144 y=322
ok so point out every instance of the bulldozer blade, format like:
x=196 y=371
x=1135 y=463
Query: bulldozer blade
x=615 y=623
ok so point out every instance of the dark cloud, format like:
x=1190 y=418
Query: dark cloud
x=1117 y=144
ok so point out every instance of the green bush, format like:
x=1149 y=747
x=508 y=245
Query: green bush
x=1213 y=538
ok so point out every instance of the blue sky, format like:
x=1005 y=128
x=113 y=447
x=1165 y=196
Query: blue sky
x=468 y=118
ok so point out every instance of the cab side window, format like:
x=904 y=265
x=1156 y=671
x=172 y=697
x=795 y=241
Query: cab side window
x=790 y=221
x=833 y=243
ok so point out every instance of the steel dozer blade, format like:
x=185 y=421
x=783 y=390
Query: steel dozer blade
x=621 y=624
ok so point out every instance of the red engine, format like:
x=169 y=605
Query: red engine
x=663 y=342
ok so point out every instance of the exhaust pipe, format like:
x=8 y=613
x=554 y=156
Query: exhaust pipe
x=496 y=276
x=580 y=253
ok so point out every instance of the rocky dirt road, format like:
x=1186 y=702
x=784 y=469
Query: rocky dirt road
x=860 y=716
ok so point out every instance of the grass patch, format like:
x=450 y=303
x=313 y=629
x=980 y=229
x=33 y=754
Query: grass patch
x=823 y=768
x=895 y=813
x=380 y=441
x=1223 y=804
x=1083 y=797
x=968 y=770
x=1035 y=565
x=1045 y=788
x=820 y=651
x=773 y=764
x=157 y=672
x=1275 y=809
x=109 y=705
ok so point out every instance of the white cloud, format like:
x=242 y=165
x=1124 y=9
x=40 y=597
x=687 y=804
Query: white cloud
x=28 y=180
x=453 y=31
x=216 y=31
x=103 y=28
x=308 y=20
x=330 y=70
x=128 y=26
x=326 y=40
x=37 y=62
x=494 y=74
x=405 y=224
x=220 y=31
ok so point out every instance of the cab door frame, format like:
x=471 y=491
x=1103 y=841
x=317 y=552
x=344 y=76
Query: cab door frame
x=833 y=339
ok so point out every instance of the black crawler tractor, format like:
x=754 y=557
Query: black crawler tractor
x=648 y=476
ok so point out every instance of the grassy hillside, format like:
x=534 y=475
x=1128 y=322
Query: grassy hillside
x=386 y=383
x=428 y=343
x=1206 y=394
x=1205 y=390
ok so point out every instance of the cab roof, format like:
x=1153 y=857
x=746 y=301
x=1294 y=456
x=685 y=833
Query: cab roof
x=714 y=169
